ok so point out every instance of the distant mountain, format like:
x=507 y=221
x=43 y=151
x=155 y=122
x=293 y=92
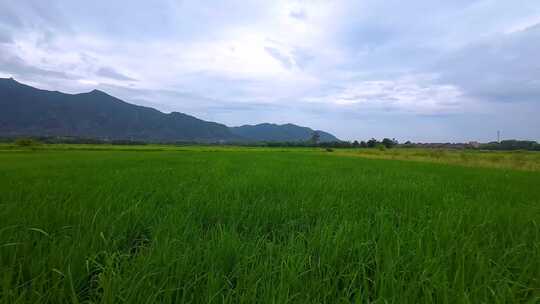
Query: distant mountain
x=27 y=111
x=273 y=132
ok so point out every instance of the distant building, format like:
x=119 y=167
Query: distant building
x=474 y=144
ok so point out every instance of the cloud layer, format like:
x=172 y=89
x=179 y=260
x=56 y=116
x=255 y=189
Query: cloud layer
x=417 y=70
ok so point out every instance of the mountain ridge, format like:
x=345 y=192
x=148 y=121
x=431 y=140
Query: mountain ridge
x=29 y=111
x=279 y=132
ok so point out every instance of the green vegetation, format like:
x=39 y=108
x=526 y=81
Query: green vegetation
x=26 y=142
x=163 y=224
x=519 y=160
x=512 y=144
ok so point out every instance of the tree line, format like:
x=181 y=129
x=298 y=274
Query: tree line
x=385 y=143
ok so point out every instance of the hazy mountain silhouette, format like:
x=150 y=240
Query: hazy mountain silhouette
x=273 y=132
x=27 y=111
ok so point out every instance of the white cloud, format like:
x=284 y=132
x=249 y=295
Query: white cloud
x=413 y=94
x=322 y=62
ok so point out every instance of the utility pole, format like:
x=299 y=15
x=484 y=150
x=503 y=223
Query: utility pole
x=498 y=136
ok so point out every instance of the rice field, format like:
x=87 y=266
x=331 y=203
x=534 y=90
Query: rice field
x=158 y=224
x=519 y=160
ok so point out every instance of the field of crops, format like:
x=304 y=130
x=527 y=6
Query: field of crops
x=152 y=224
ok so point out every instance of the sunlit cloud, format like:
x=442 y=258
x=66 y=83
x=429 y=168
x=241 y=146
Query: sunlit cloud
x=325 y=64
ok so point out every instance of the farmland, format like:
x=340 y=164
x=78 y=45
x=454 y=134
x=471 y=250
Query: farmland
x=160 y=224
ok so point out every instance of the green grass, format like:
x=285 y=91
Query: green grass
x=101 y=224
x=519 y=160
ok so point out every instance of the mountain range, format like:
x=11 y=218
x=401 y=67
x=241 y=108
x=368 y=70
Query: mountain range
x=28 y=111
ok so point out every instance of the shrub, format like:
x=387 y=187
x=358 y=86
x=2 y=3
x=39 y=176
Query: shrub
x=372 y=143
x=389 y=143
x=27 y=142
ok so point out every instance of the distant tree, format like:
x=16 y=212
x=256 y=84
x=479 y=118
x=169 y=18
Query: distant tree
x=517 y=144
x=355 y=144
x=26 y=142
x=363 y=144
x=511 y=144
x=315 y=137
x=372 y=143
x=389 y=143
x=408 y=144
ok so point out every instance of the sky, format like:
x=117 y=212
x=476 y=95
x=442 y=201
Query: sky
x=418 y=70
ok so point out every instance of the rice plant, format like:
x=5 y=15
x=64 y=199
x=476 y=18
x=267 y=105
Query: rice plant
x=239 y=225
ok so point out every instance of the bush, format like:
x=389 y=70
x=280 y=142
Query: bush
x=372 y=143
x=27 y=142
x=389 y=143
x=329 y=150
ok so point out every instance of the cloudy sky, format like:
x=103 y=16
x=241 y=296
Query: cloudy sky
x=420 y=70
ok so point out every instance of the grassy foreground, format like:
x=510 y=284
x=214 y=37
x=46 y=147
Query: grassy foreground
x=160 y=225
